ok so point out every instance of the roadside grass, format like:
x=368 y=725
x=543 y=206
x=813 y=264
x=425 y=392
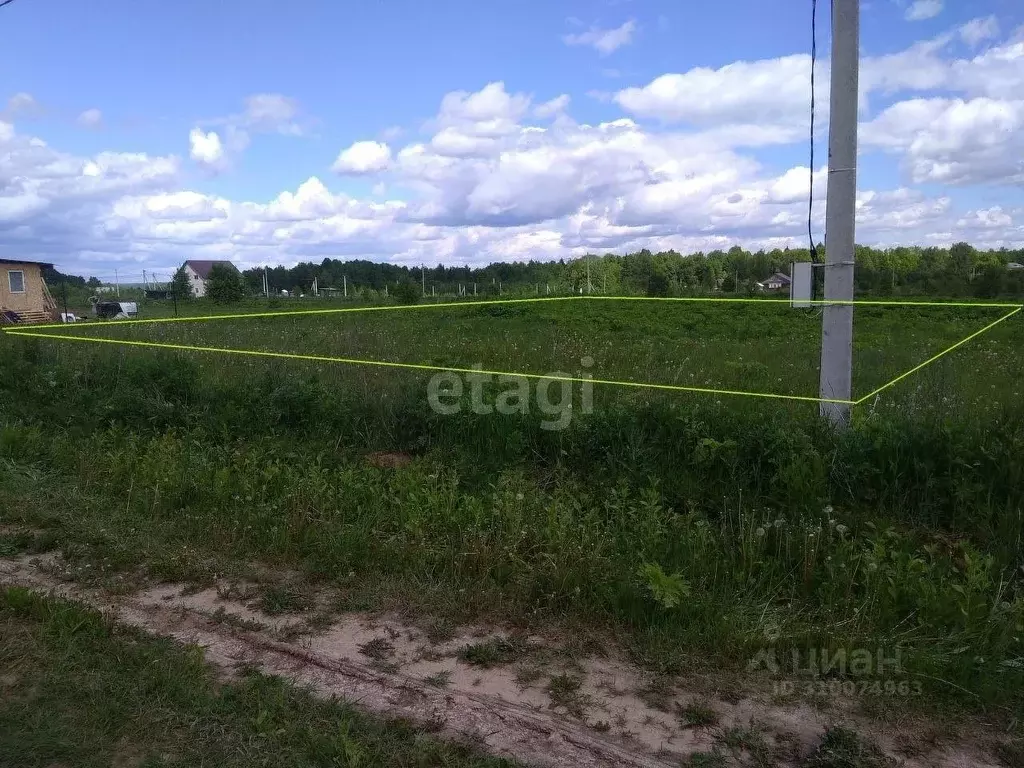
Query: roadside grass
x=497 y=651
x=688 y=528
x=78 y=690
x=564 y=691
x=697 y=714
x=843 y=748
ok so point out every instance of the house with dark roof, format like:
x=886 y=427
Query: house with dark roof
x=199 y=274
x=24 y=297
x=776 y=282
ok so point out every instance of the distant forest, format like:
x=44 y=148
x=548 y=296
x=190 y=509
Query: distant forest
x=958 y=271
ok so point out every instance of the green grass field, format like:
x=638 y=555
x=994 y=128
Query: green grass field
x=760 y=347
x=696 y=529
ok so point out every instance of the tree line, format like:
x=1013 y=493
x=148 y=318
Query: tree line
x=957 y=271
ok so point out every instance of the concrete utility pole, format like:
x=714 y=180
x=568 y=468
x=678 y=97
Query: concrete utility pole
x=837 y=320
x=117 y=284
x=423 y=279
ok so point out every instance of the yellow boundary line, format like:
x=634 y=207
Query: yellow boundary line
x=931 y=360
x=422 y=367
x=492 y=302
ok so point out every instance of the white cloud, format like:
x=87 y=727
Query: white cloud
x=90 y=118
x=953 y=141
x=769 y=97
x=496 y=176
x=272 y=113
x=218 y=142
x=979 y=30
x=363 y=157
x=920 y=10
x=553 y=107
x=23 y=104
x=604 y=41
x=491 y=109
x=206 y=148
x=986 y=218
x=769 y=90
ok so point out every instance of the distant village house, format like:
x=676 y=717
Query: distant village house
x=199 y=274
x=24 y=297
x=776 y=282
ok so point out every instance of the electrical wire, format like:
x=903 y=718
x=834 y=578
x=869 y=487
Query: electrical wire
x=810 y=196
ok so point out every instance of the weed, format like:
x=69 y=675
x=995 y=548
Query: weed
x=713 y=759
x=221 y=616
x=440 y=631
x=278 y=599
x=495 y=652
x=440 y=679
x=564 y=691
x=528 y=674
x=668 y=591
x=749 y=740
x=657 y=693
x=843 y=748
x=697 y=714
x=378 y=649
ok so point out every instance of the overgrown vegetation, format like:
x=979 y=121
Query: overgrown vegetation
x=77 y=690
x=694 y=528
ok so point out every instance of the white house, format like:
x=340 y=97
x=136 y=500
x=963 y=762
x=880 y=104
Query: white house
x=199 y=274
x=776 y=282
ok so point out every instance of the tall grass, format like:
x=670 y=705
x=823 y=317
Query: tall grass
x=692 y=527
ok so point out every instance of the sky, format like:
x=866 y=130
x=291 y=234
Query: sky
x=135 y=135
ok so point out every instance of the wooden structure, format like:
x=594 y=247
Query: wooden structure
x=24 y=297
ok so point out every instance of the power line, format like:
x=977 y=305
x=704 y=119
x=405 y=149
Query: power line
x=5 y=2
x=814 y=58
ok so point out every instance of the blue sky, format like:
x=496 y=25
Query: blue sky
x=277 y=93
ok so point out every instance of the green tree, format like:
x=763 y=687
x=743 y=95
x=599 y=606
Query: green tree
x=181 y=288
x=962 y=257
x=658 y=284
x=407 y=292
x=991 y=280
x=224 y=284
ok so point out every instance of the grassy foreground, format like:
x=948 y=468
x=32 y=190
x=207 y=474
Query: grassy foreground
x=697 y=531
x=79 y=690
